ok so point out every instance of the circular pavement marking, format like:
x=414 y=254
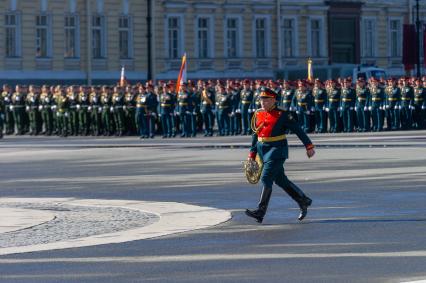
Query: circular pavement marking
x=35 y=217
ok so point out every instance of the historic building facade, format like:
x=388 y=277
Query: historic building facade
x=91 y=39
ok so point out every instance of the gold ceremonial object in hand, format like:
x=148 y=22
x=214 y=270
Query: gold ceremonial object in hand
x=253 y=169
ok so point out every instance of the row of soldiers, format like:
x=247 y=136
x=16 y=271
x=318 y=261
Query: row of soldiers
x=147 y=110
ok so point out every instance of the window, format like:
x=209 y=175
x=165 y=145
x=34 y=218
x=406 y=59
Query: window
x=124 y=37
x=369 y=38
x=203 y=38
x=289 y=37
x=11 y=40
x=316 y=38
x=395 y=38
x=98 y=37
x=70 y=36
x=42 y=36
x=232 y=37
x=260 y=39
x=174 y=37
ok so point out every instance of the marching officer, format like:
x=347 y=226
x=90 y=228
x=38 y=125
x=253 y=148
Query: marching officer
x=333 y=102
x=6 y=96
x=32 y=107
x=347 y=104
x=207 y=108
x=83 y=104
x=167 y=108
x=107 y=111
x=130 y=110
x=361 y=106
x=407 y=97
x=118 y=111
x=320 y=99
x=419 y=104
x=392 y=104
x=376 y=105
x=95 y=110
x=73 y=111
x=303 y=102
x=63 y=103
x=246 y=99
x=18 y=107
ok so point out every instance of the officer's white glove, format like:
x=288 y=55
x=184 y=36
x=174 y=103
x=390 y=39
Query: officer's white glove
x=27 y=108
x=312 y=109
x=89 y=109
x=47 y=100
x=387 y=106
x=66 y=114
x=111 y=109
x=423 y=107
x=381 y=108
x=84 y=98
x=2 y=116
x=124 y=107
x=327 y=109
x=366 y=108
x=250 y=111
x=297 y=112
x=117 y=99
x=58 y=114
x=17 y=98
x=194 y=113
x=78 y=106
x=11 y=107
x=351 y=108
x=100 y=110
x=238 y=111
x=40 y=107
x=95 y=99
x=291 y=108
x=54 y=107
x=411 y=107
x=6 y=99
x=32 y=99
x=153 y=114
x=177 y=114
x=340 y=108
x=323 y=108
x=370 y=108
x=308 y=112
x=188 y=112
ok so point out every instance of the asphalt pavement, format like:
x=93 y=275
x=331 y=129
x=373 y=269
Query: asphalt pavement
x=366 y=223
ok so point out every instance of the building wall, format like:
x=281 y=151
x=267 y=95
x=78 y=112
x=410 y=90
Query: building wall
x=218 y=65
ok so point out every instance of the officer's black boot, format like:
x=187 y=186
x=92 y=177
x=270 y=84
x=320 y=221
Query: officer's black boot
x=260 y=212
x=304 y=203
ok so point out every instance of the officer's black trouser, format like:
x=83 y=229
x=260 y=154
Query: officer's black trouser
x=273 y=172
x=406 y=117
x=208 y=118
x=18 y=116
x=245 y=118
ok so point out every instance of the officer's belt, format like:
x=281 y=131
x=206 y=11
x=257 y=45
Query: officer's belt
x=18 y=106
x=319 y=100
x=130 y=106
x=183 y=104
x=245 y=102
x=286 y=100
x=165 y=105
x=376 y=99
x=333 y=99
x=346 y=99
x=206 y=103
x=118 y=106
x=271 y=139
x=406 y=98
x=302 y=103
x=141 y=106
x=361 y=98
x=392 y=99
x=222 y=107
x=418 y=99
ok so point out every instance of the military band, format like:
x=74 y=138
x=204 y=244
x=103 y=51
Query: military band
x=205 y=107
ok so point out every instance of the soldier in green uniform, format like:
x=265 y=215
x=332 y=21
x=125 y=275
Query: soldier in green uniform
x=347 y=105
x=407 y=97
x=130 y=110
x=246 y=99
x=376 y=105
x=320 y=99
x=46 y=101
x=107 y=111
x=304 y=103
x=361 y=106
x=55 y=92
x=167 y=107
x=8 y=113
x=32 y=102
x=184 y=110
x=392 y=105
x=95 y=110
x=419 y=104
x=207 y=107
x=83 y=104
x=18 y=107
x=332 y=107
x=63 y=112
x=223 y=108
x=73 y=111
x=117 y=104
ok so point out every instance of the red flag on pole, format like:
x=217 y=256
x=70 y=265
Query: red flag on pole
x=182 y=74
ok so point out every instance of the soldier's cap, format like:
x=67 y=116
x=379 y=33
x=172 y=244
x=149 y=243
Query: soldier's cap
x=267 y=93
x=246 y=82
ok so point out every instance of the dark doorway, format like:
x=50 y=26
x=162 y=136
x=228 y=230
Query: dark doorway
x=344 y=37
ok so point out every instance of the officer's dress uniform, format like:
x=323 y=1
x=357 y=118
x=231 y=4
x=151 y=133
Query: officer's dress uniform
x=196 y=113
x=107 y=111
x=270 y=143
x=303 y=102
x=95 y=110
x=32 y=107
x=63 y=114
x=8 y=113
x=2 y=110
x=142 y=102
x=235 y=116
x=392 y=105
x=167 y=108
x=223 y=108
x=361 y=107
x=117 y=106
x=320 y=100
x=83 y=113
x=419 y=104
x=129 y=112
x=18 y=106
x=407 y=98
x=376 y=107
x=185 y=112
x=246 y=99
x=46 y=102
x=347 y=106
x=333 y=103
x=207 y=108
x=73 y=112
